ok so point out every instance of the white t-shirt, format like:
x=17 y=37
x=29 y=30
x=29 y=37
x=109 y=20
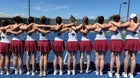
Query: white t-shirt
x=5 y=38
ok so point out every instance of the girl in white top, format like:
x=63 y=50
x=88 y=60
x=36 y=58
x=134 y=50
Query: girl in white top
x=31 y=46
x=116 y=46
x=58 y=46
x=72 y=46
x=44 y=45
x=100 y=44
x=17 y=44
x=5 y=47
x=131 y=43
x=85 y=45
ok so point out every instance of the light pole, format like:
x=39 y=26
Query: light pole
x=121 y=7
x=29 y=8
x=128 y=9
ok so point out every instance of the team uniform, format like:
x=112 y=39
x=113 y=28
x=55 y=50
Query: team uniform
x=5 y=42
x=72 y=44
x=58 y=43
x=44 y=43
x=100 y=42
x=132 y=41
x=116 y=42
x=30 y=43
x=85 y=44
x=17 y=43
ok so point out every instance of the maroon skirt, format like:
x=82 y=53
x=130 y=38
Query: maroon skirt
x=131 y=45
x=58 y=46
x=17 y=46
x=116 y=45
x=85 y=46
x=72 y=46
x=100 y=45
x=30 y=46
x=44 y=46
x=4 y=47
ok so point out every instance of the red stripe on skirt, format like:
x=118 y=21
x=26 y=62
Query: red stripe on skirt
x=85 y=46
x=100 y=45
x=17 y=46
x=30 y=46
x=4 y=47
x=58 y=46
x=131 y=44
x=116 y=45
x=44 y=46
x=72 y=46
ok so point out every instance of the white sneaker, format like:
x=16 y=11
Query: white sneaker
x=7 y=73
x=88 y=71
x=33 y=73
x=81 y=71
x=131 y=75
x=101 y=73
x=117 y=75
x=28 y=73
x=60 y=72
x=109 y=74
x=16 y=71
x=73 y=72
x=44 y=73
x=2 y=72
x=20 y=71
x=124 y=74
x=69 y=72
x=41 y=74
x=55 y=72
x=96 y=72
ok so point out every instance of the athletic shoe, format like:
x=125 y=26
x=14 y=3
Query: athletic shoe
x=124 y=74
x=117 y=75
x=33 y=73
x=73 y=72
x=131 y=75
x=60 y=72
x=109 y=74
x=16 y=71
x=55 y=72
x=28 y=73
x=7 y=73
x=69 y=72
x=2 y=72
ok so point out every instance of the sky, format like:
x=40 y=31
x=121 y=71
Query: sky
x=65 y=8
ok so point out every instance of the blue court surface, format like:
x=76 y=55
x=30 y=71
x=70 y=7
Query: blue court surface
x=78 y=75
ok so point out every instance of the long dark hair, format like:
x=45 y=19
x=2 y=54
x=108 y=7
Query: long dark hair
x=116 y=18
x=101 y=19
x=31 y=20
x=85 y=20
x=43 y=19
x=58 y=20
x=18 y=19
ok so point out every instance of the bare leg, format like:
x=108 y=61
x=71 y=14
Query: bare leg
x=118 y=62
x=69 y=60
x=45 y=61
x=28 y=61
x=74 y=60
x=126 y=59
x=102 y=61
x=15 y=61
x=133 y=62
x=55 y=61
x=112 y=61
x=97 y=61
x=41 y=62
x=81 y=61
x=33 y=61
x=61 y=60
x=20 y=60
x=8 y=56
x=2 y=55
x=88 y=61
